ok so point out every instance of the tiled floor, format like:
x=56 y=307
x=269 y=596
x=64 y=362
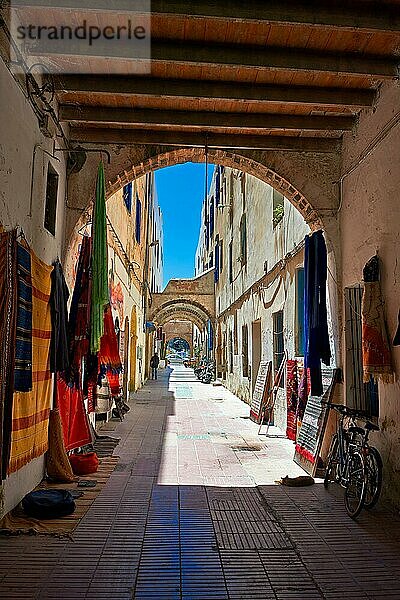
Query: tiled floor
x=192 y=512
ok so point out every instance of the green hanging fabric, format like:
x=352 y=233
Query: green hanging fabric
x=100 y=295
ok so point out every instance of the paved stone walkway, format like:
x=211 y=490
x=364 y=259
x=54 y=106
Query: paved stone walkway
x=192 y=512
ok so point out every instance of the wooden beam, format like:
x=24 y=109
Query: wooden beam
x=218 y=90
x=271 y=58
x=178 y=138
x=128 y=116
x=237 y=56
x=342 y=14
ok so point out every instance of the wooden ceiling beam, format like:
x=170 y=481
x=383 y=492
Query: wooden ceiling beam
x=228 y=55
x=272 y=58
x=218 y=90
x=231 y=120
x=342 y=14
x=213 y=140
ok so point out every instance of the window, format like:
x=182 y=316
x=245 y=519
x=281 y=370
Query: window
x=217 y=185
x=277 y=207
x=221 y=255
x=235 y=333
x=245 y=351
x=231 y=197
x=216 y=268
x=299 y=325
x=278 y=343
x=127 y=195
x=243 y=240
x=210 y=264
x=230 y=257
x=138 y=219
x=230 y=352
x=211 y=216
x=50 y=211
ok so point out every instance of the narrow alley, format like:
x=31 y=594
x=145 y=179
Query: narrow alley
x=192 y=511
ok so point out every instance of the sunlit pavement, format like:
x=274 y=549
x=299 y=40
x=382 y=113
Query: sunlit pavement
x=192 y=511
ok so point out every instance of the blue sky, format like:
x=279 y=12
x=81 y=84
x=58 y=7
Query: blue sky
x=180 y=191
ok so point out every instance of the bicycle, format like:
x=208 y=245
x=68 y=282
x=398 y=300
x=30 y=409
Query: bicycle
x=353 y=463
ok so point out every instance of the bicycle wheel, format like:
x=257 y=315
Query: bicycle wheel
x=354 y=493
x=374 y=477
x=331 y=473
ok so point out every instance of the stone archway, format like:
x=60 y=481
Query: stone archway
x=307 y=179
x=188 y=299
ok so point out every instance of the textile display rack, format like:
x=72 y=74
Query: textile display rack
x=268 y=408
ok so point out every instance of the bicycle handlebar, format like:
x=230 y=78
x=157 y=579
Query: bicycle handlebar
x=353 y=413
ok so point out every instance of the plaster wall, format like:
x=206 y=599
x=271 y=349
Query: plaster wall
x=266 y=246
x=370 y=223
x=23 y=173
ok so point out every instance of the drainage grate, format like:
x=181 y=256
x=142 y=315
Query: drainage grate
x=242 y=523
x=124 y=466
x=193 y=436
x=248 y=448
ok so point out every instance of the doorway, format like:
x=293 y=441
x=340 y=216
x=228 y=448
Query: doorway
x=255 y=351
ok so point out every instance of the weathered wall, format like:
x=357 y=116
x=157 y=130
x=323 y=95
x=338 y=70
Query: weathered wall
x=266 y=246
x=369 y=223
x=23 y=172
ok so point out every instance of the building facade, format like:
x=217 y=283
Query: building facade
x=253 y=237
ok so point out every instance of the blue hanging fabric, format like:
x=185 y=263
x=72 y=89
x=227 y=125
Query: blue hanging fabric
x=138 y=219
x=127 y=194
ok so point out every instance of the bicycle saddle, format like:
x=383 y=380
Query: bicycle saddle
x=371 y=426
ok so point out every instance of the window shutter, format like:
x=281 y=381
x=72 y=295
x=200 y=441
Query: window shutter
x=138 y=219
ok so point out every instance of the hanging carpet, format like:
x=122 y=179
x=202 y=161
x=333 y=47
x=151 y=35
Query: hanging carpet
x=291 y=398
x=23 y=346
x=8 y=311
x=31 y=409
x=375 y=342
x=109 y=354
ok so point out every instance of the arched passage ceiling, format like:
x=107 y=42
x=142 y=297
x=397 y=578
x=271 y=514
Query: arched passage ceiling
x=180 y=309
x=266 y=75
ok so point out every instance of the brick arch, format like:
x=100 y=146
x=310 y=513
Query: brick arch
x=225 y=158
x=304 y=178
x=180 y=337
x=181 y=308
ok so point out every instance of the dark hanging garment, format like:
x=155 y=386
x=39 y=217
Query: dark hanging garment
x=79 y=316
x=8 y=313
x=396 y=341
x=23 y=345
x=317 y=346
x=59 y=351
